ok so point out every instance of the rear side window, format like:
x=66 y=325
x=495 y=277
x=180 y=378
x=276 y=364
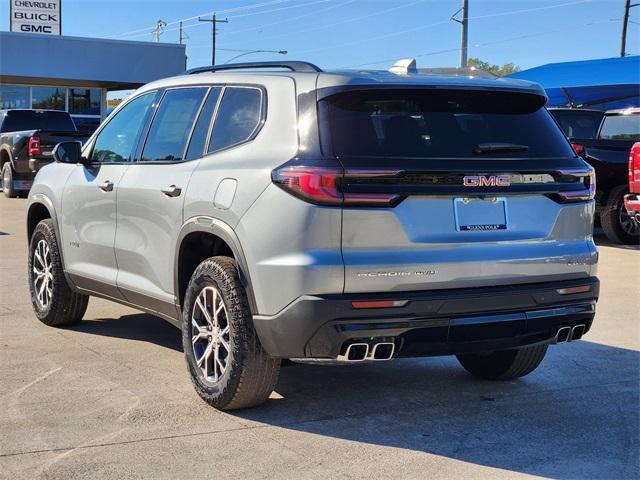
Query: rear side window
x=16 y=120
x=169 y=132
x=621 y=127
x=201 y=130
x=239 y=117
x=440 y=124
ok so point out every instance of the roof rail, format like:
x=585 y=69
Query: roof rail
x=294 y=66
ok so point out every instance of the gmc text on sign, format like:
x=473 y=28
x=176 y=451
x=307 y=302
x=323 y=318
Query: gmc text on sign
x=35 y=16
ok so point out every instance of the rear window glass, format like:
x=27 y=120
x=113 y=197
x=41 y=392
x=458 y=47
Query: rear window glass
x=440 y=124
x=17 y=120
x=578 y=124
x=239 y=116
x=621 y=127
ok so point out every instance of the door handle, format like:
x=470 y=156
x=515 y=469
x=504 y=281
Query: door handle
x=171 y=191
x=106 y=186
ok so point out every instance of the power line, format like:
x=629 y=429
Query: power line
x=424 y=27
x=286 y=20
x=478 y=45
x=186 y=19
x=348 y=20
x=248 y=14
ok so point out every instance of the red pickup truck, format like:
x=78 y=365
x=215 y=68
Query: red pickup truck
x=632 y=200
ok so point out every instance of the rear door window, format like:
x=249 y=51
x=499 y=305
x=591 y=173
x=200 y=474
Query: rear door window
x=621 y=127
x=239 y=117
x=171 y=127
x=429 y=124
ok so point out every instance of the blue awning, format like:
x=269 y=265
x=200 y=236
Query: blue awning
x=604 y=83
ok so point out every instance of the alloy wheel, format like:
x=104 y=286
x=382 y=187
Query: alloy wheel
x=628 y=224
x=43 y=274
x=210 y=334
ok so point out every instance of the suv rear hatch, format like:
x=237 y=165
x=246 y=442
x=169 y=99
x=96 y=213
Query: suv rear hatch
x=447 y=188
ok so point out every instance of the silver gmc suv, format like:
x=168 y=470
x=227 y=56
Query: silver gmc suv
x=276 y=211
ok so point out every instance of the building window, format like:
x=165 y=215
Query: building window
x=50 y=98
x=14 y=96
x=85 y=101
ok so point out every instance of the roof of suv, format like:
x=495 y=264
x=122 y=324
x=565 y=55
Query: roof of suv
x=354 y=78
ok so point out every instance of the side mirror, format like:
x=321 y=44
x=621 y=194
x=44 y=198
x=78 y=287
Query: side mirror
x=68 y=152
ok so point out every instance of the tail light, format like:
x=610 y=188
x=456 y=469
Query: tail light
x=588 y=178
x=578 y=148
x=634 y=168
x=322 y=185
x=34 y=146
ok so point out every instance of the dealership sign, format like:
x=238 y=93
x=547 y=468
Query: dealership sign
x=35 y=16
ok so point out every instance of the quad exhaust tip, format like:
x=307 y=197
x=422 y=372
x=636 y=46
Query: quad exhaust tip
x=359 y=352
x=568 y=334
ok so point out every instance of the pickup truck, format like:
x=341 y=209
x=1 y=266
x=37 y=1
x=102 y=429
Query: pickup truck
x=27 y=138
x=632 y=200
x=608 y=153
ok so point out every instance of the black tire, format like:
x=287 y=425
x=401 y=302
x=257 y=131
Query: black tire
x=617 y=224
x=250 y=374
x=65 y=307
x=504 y=364
x=7 y=181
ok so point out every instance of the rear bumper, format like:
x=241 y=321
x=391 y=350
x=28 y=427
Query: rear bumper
x=632 y=203
x=36 y=164
x=437 y=322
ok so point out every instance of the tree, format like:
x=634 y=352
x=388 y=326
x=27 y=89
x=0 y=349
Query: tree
x=505 y=69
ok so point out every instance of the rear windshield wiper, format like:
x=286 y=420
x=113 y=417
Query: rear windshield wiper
x=498 y=147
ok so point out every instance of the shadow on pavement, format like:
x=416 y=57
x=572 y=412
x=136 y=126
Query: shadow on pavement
x=562 y=421
x=138 y=326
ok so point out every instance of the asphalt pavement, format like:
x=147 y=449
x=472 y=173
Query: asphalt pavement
x=111 y=398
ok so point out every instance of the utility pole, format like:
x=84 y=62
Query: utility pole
x=625 y=21
x=214 y=22
x=180 y=41
x=159 y=29
x=464 y=39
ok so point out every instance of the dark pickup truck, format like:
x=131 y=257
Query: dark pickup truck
x=27 y=138
x=608 y=153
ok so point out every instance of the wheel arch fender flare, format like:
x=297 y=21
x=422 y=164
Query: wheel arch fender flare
x=5 y=149
x=226 y=233
x=35 y=200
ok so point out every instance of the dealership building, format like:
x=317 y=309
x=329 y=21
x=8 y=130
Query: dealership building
x=74 y=73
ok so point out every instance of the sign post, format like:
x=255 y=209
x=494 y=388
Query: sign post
x=35 y=16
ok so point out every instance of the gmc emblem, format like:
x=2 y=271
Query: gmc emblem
x=486 y=181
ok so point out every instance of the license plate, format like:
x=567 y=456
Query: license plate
x=475 y=214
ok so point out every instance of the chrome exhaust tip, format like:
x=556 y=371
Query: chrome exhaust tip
x=577 y=332
x=355 y=352
x=563 y=335
x=382 y=351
